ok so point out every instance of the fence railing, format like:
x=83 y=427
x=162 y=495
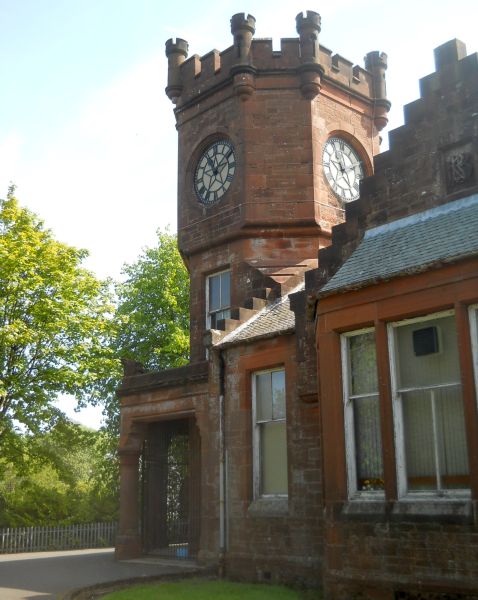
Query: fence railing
x=58 y=537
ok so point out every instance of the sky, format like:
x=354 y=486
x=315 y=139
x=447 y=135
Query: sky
x=88 y=135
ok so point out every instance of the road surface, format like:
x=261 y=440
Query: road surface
x=48 y=575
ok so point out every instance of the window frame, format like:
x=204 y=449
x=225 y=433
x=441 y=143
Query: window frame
x=403 y=493
x=256 y=435
x=473 y=320
x=222 y=308
x=349 y=425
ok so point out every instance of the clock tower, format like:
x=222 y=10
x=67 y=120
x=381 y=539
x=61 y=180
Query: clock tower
x=272 y=146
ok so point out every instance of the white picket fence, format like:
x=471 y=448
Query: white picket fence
x=58 y=537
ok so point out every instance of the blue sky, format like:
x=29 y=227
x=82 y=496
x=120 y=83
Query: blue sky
x=87 y=133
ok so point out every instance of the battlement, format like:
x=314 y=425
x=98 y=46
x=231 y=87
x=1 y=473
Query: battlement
x=302 y=57
x=455 y=70
x=432 y=159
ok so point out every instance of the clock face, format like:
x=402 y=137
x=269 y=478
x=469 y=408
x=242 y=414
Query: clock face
x=342 y=168
x=214 y=172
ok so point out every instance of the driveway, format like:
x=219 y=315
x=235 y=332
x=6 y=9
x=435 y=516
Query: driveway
x=45 y=575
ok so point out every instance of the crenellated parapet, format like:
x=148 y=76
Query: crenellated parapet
x=432 y=159
x=243 y=72
x=248 y=59
x=243 y=29
x=310 y=70
x=177 y=52
x=376 y=64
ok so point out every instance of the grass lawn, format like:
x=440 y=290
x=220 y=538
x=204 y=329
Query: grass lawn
x=195 y=589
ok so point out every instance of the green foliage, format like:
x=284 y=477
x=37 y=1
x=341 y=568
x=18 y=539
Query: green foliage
x=60 y=334
x=206 y=590
x=153 y=307
x=59 y=479
x=55 y=319
x=152 y=317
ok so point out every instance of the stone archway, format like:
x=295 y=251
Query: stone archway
x=170 y=475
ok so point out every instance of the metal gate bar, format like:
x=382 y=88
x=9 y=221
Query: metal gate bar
x=171 y=489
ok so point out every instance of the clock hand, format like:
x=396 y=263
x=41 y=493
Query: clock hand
x=224 y=159
x=342 y=162
x=336 y=164
x=211 y=164
x=352 y=166
x=345 y=175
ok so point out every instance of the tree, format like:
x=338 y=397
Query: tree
x=153 y=307
x=152 y=316
x=59 y=333
x=55 y=320
x=59 y=479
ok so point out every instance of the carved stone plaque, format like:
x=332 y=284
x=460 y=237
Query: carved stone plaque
x=459 y=168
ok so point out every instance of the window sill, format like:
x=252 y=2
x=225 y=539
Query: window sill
x=430 y=507
x=269 y=506
x=411 y=508
x=365 y=505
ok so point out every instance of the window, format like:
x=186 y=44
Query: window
x=429 y=422
x=362 y=413
x=474 y=341
x=218 y=298
x=269 y=433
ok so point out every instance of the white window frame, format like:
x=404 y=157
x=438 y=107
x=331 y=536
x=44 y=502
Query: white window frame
x=348 y=399
x=256 y=435
x=222 y=308
x=397 y=409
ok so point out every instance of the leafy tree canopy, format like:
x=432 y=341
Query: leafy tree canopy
x=61 y=334
x=153 y=307
x=58 y=477
x=152 y=315
x=55 y=319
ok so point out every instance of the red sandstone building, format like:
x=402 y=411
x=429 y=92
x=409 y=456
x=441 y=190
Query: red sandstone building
x=326 y=429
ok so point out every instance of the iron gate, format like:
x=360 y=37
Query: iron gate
x=171 y=493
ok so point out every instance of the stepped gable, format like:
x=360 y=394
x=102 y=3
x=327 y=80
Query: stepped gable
x=432 y=160
x=274 y=319
x=248 y=60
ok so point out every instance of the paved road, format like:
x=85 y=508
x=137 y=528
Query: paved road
x=45 y=575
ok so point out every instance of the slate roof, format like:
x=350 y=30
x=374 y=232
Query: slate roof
x=415 y=243
x=274 y=319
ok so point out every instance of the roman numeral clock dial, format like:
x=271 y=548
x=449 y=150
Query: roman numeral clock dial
x=342 y=168
x=214 y=172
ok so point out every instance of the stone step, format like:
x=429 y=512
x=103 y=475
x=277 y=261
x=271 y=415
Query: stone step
x=242 y=314
x=227 y=324
x=255 y=303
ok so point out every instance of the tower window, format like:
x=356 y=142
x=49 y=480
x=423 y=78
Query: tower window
x=218 y=298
